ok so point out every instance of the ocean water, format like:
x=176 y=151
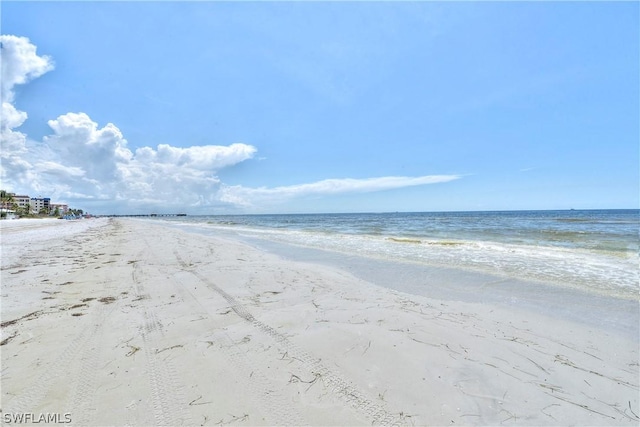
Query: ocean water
x=595 y=251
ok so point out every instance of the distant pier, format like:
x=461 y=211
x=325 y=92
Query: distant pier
x=140 y=215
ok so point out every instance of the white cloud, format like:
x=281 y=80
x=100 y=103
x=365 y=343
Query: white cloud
x=11 y=140
x=20 y=63
x=199 y=158
x=56 y=169
x=94 y=166
x=169 y=176
x=79 y=143
x=80 y=160
x=12 y=118
x=248 y=197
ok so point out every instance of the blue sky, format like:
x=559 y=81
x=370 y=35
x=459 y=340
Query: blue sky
x=221 y=107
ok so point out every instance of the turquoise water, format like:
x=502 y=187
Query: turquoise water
x=596 y=251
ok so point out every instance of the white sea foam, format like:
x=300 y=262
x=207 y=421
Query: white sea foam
x=592 y=251
x=587 y=270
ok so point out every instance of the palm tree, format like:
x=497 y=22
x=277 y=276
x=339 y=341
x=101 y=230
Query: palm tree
x=6 y=199
x=6 y=203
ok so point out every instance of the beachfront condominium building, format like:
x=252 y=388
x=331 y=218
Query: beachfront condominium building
x=39 y=204
x=62 y=208
x=15 y=202
x=34 y=205
x=23 y=202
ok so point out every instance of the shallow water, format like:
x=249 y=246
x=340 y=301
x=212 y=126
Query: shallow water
x=592 y=251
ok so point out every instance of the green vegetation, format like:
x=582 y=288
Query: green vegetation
x=8 y=203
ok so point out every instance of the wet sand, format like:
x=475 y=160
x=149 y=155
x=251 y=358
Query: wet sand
x=129 y=322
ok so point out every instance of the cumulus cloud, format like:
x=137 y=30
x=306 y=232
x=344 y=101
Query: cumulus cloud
x=95 y=166
x=199 y=158
x=78 y=141
x=165 y=175
x=246 y=196
x=81 y=160
x=20 y=64
x=12 y=141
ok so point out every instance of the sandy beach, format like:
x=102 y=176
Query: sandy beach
x=130 y=322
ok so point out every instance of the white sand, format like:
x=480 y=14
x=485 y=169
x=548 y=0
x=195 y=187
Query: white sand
x=127 y=322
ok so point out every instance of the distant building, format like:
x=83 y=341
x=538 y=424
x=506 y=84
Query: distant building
x=62 y=208
x=17 y=202
x=23 y=202
x=39 y=203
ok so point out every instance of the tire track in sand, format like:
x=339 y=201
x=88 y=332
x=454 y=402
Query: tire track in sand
x=167 y=392
x=251 y=379
x=79 y=358
x=339 y=386
x=85 y=388
x=80 y=345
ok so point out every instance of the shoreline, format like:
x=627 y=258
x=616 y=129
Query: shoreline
x=617 y=314
x=590 y=262
x=457 y=284
x=139 y=323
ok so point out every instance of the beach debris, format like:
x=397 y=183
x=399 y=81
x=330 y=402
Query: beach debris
x=286 y=356
x=511 y=416
x=9 y=338
x=234 y=418
x=404 y=240
x=296 y=379
x=634 y=414
x=403 y=417
x=169 y=348
x=367 y=349
x=549 y=406
x=25 y=317
x=134 y=350
x=193 y=402
x=537 y=365
x=579 y=405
